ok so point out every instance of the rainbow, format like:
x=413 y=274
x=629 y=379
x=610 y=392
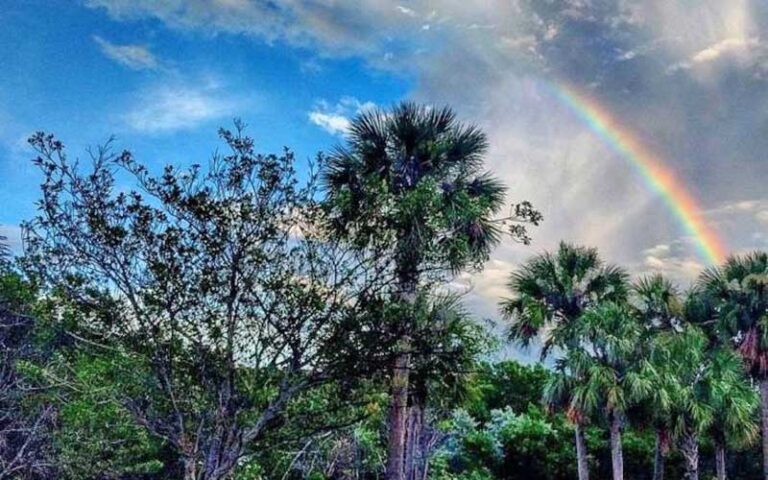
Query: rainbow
x=658 y=177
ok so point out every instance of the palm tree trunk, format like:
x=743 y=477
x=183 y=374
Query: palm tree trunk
x=398 y=415
x=617 y=457
x=415 y=454
x=720 y=459
x=764 y=422
x=659 y=456
x=690 y=450
x=581 y=453
x=398 y=409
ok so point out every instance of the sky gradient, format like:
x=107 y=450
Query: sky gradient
x=683 y=81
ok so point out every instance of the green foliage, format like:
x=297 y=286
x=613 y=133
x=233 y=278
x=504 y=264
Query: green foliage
x=411 y=182
x=505 y=384
x=740 y=289
x=552 y=291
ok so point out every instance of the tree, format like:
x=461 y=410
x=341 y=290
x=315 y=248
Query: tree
x=24 y=425
x=605 y=365
x=411 y=182
x=700 y=386
x=550 y=293
x=446 y=344
x=661 y=309
x=5 y=253
x=677 y=373
x=734 y=405
x=739 y=289
x=220 y=286
x=735 y=402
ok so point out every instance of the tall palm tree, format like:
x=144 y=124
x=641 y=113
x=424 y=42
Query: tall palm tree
x=701 y=388
x=606 y=365
x=660 y=308
x=740 y=289
x=550 y=293
x=677 y=371
x=734 y=405
x=410 y=184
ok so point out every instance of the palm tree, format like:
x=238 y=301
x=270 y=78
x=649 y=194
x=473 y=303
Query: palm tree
x=740 y=289
x=677 y=371
x=410 y=185
x=605 y=365
x=446 y=343
x=550 y=292
x=660 y=309
x=734 y=404
x=658 y=301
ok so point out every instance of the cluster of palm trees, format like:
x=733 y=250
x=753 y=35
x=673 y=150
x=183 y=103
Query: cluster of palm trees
x=689 y=363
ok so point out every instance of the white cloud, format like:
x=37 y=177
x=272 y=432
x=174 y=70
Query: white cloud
x=136 y=57
x=726 y=46
x=745 y=51
x=166 y=108
x=13 y=235
x=331 y=123
x=673 y=260
x=335 y=119
x=406 y=11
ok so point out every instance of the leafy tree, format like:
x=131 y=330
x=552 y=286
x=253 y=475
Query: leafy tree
x=740 y=290
x=505 y=384
x=220 y=284
x=25 y=451
x=550 y=293
x=411 y=182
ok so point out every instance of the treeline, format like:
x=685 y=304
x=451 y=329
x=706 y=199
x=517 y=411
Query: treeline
x=242 y=321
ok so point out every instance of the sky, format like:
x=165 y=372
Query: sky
x=682 y=81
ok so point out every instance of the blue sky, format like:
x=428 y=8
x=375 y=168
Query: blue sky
x=162 y=93
x=687 y=78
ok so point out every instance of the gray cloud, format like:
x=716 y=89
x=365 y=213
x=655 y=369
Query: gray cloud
x=687 y=79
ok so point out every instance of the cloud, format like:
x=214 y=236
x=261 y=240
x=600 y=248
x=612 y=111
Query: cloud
x=13 y=235
x=674 y=260
x=331 y=123
x=617 y=52
x=135 y=57
x=167 y=108
x=335 y=119
x=746 y=50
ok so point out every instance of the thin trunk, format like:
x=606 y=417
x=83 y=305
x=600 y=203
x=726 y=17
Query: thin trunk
x=617 y=457
x=720 y=459
x=415 y=455
x=660 y=456
x=764 y=418
x=190 y=469
x=689 y=447
x=581 y=453
x=398 y=415
x=398 y=409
